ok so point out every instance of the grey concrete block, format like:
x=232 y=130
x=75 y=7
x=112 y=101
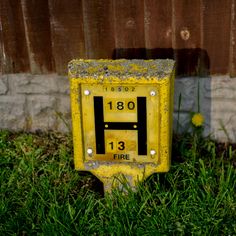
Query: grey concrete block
x=12 y=110
x=220 y=87
x=3 y=84
x=34 y=84
x=186 y=88
x=31 y=102
x=181 y=122
x=63 y=85
x=223 y=131
x=63 y=114
x=222 y=106
x=223 y=126
x=42 y=112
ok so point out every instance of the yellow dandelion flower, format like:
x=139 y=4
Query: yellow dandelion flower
x=197 y=119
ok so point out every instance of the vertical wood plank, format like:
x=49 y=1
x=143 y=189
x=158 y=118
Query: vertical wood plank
x=216 y=38
x=67 y=32
x=99 y=28
x=158 y=28
x=1 y=48
x=187 y=41
x=38 y=35
x=13 y=35
x=233 y=40
x=187 y=23
x=129 y=29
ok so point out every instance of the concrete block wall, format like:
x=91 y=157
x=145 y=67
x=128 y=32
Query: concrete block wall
x=41 y=102
x=34 y=102
x=217 y=102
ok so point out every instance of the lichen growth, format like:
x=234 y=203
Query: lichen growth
x=137 y=68
x=116 y=68
x=159 y=68
x=92 y=70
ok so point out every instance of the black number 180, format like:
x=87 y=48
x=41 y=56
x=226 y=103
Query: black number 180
x=121 y=105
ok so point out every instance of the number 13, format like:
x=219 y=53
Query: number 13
x=121 y=145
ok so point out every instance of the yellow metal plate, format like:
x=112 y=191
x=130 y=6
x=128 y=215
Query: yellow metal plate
x=122 y=117
x=121 y=122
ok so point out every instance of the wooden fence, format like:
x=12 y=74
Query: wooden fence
x=41 y=36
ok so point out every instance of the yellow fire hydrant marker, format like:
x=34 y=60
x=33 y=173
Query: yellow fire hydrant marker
x=122 y=118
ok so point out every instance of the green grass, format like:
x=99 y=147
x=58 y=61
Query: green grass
x=41 y=193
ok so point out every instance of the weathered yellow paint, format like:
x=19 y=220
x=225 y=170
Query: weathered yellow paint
x=120 y=82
